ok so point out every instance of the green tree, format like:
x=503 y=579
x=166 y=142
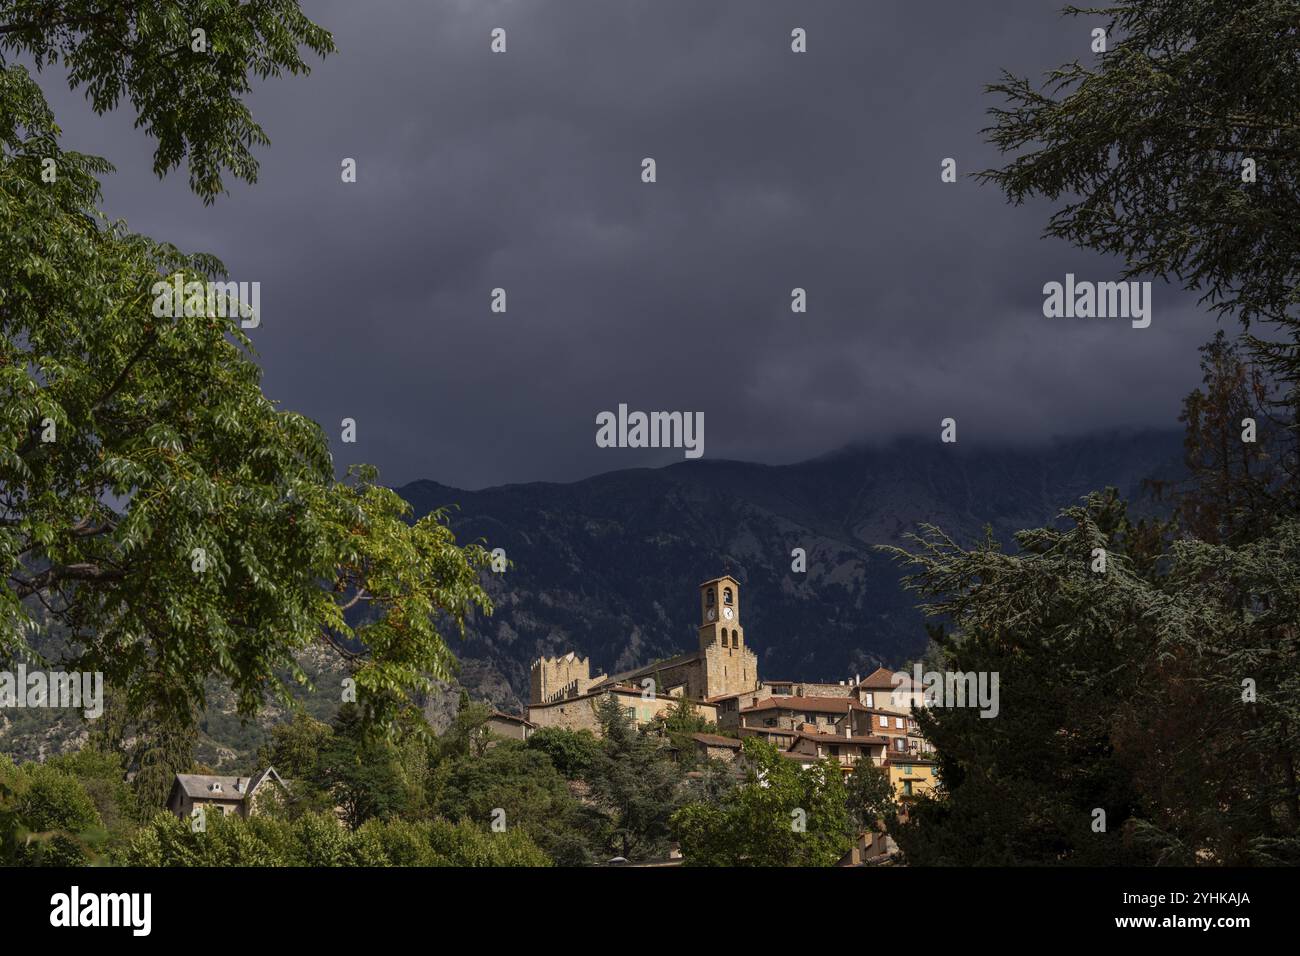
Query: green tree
x=870 y=796
x=101 y=775
x=464 y=844
x=571 y=752
x=782 y=815
x=1122 y=691
x=46 y=817
x=468 y=732
x=175 y=522
x=1147 y=145
x=521 y=782
x=634 y=785
x=188 y=96
x=295 y=747
x=164 y=748
x=363 y=772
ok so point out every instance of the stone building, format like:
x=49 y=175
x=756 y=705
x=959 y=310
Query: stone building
x=714 y=747
x=509 y=726
x=579 y=711
x=238 y=795
x=560 y=687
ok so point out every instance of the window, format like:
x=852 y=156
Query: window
x=898 y=723
x=726 y=595
x=907 y=769
x=884 y=721
x=871 y=700
x=710 y=598
x=907 y=788
x=835 y=750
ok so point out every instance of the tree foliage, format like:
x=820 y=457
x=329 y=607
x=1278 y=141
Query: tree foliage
x=783 y=815
x=1146 y=147
x=318 y=840
x=187 y=95
x=1122 y=691
x=131 y=444
x=634 y=785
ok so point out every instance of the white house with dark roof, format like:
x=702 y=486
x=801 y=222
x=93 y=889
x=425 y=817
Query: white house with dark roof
x=231 y=794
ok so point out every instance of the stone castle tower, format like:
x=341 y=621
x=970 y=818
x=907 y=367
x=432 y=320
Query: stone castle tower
x=556 y=678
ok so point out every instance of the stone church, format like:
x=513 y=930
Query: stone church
x=564 y=692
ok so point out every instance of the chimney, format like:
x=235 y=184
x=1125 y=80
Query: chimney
x=848 y=726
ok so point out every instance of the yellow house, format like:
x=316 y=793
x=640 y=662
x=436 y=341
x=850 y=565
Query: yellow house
x=912 y=776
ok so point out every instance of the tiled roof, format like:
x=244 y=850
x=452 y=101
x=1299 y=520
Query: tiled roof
x=841 y=739
x=716 y=740
x=882 y=678
x=513 y=718
x=895 y=759
x=199 y=786
x=826 y=705
x=802 y=758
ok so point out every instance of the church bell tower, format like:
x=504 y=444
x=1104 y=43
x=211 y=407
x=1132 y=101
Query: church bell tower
x=720 y=614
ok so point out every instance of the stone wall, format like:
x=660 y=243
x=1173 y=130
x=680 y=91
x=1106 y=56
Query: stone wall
x=729 y=670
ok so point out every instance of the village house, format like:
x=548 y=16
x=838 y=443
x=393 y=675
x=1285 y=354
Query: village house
x=509 y=726
x=844 y=749
x=238 y=795
x=716 y=747
x=911 y=776
x=891 y=691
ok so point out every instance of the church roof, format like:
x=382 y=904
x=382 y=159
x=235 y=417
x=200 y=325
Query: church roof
x=724 y=577
x=647 y=670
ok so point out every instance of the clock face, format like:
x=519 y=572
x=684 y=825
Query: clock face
x=712 y=614
x=728 y=613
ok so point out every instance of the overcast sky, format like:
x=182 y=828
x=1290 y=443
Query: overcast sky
x=775 y=170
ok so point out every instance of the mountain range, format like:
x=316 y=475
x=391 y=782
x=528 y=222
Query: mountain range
x=608 y=566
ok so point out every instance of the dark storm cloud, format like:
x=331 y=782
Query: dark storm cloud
x=775 y=170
